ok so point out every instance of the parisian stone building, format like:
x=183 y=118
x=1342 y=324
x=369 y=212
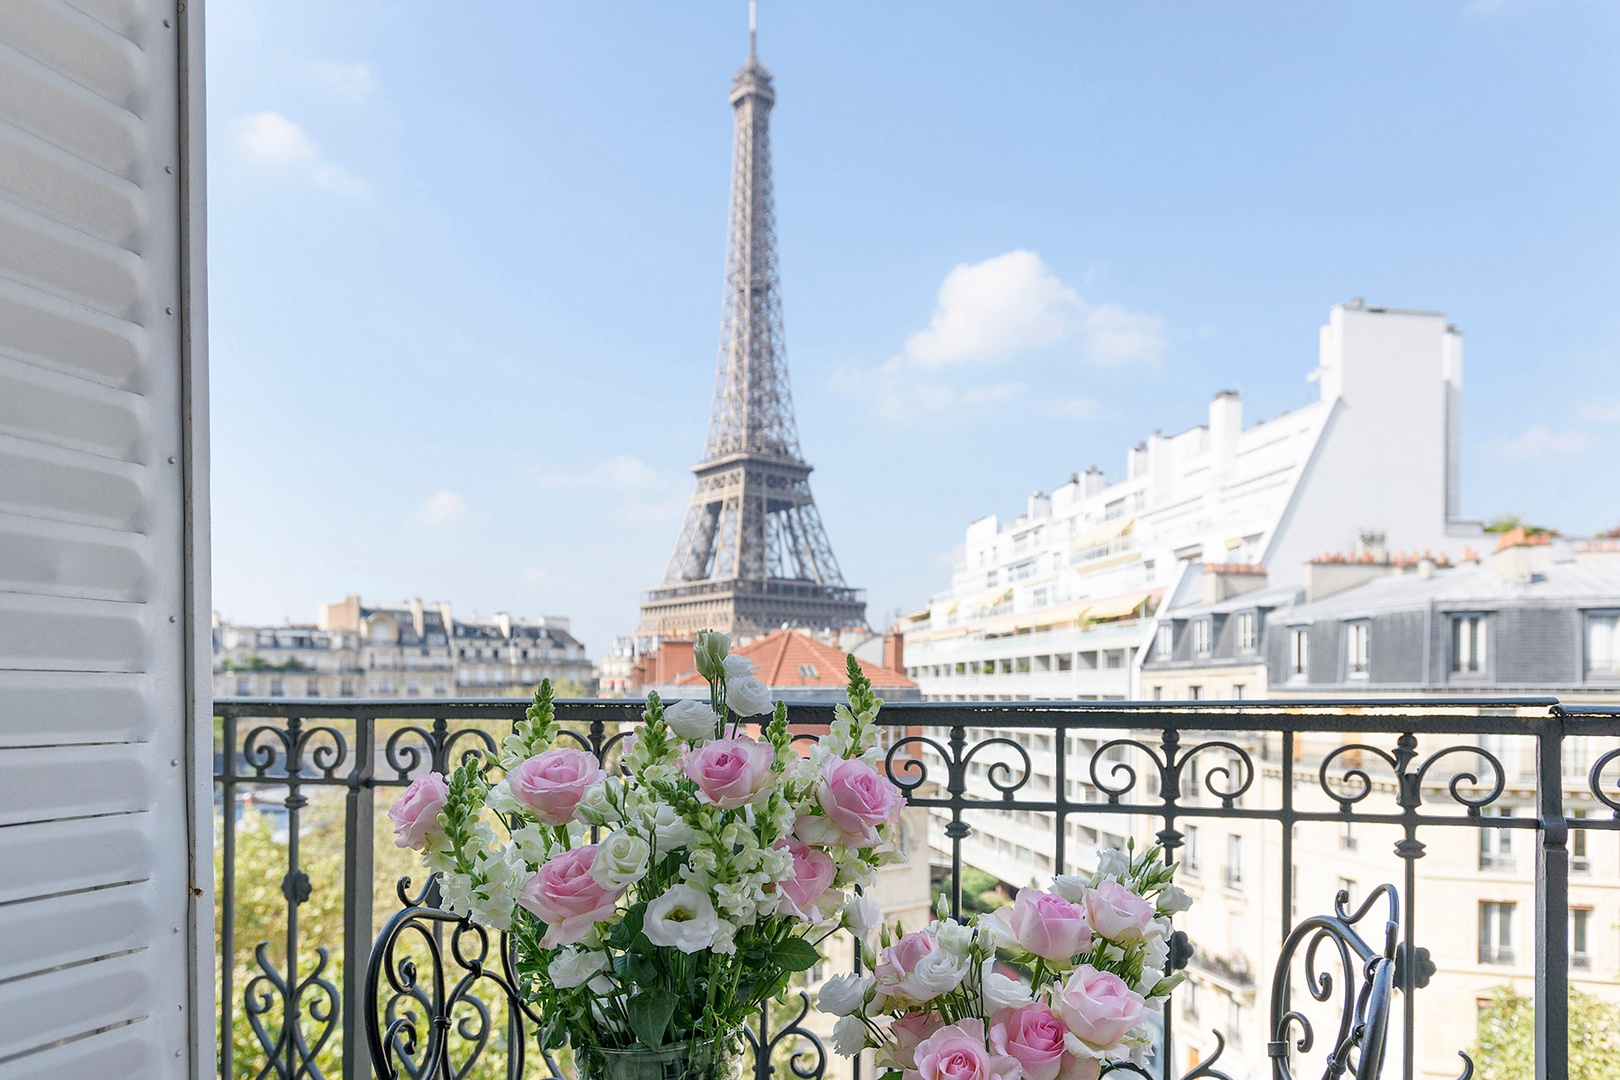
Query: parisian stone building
x=410 y=650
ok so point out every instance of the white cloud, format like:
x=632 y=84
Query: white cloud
x=1007 y=309
x=634 y=492
x=443 y=508
x=271 y=140
x=1537 y=442
x=1603 y=412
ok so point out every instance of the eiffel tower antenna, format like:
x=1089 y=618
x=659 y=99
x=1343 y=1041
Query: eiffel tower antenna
x=752 y=554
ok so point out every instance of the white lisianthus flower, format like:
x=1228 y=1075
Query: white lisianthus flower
x=1154 y=955
x=596 y=804
x=842 y=995
x=1111 y=863
x=738 y=666
x=849 y=1036
x=1001 y=992
x=709 y=653
x=952 y=935
x=748 y=696
x=692 y=720
x=621 y=860
x=861 y=915
x=574 y=966
x=1070 y=887
x=1174 y=899
x=683 y=917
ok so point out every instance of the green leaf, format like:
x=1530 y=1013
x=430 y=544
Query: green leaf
x=795 y=954
x=892 y=1074
x=650 y=1013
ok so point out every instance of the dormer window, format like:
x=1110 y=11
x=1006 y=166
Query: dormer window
x=1203 y=632
x=807 y=671
x=1468 y=644
x=1248 y=632
x=1299 y=651
x=1357 y=652
x=1164 y=648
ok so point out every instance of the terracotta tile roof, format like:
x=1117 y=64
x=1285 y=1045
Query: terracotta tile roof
x=792 y=658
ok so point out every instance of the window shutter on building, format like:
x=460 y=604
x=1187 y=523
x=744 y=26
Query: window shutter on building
x=106 y=921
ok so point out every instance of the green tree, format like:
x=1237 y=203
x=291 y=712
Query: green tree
x=981 y=892
x=1505 y=1046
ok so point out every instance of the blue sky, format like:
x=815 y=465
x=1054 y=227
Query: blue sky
x=465 y=265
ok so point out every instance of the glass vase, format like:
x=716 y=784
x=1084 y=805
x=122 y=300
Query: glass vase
x=698 y=1059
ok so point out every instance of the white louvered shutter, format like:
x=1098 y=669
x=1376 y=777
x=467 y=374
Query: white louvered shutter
x=106 y=921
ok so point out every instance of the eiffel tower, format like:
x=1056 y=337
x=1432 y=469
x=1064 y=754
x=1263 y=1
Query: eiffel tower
x=752 y=554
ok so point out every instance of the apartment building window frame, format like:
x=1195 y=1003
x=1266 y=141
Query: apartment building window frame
x=1496 y=932
x=1189 y=851
x=1164 y=646
x=1234 y=862
x=1600 y=644
x=1580 y=861
x=1203 y=637
x=1357 y=648
x=1470 y=645
x=1580 y=938
x=1299 y=653
x=1247 y=633
x=1496 y=843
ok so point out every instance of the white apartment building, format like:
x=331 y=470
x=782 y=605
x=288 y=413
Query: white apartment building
x=1057 y=602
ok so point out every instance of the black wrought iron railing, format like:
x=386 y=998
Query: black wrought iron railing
x=307 y=873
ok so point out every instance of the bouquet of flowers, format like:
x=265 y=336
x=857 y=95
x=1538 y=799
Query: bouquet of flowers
x=660 y=907
x=936 y=1008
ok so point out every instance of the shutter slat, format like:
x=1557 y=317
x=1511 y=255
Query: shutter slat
x=50 y=782
x=51 y=633
x=44 y=934
x=77 y=1001
x=106 y=850
x=122 y=1053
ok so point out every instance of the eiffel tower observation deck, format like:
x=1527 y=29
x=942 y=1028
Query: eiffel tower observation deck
x=752 y=554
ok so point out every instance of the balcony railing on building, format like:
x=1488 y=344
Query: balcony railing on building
x=307 y=872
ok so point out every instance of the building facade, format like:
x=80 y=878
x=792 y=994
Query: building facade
x=413 y=650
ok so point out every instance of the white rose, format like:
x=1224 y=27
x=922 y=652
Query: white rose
x=862 y=915
x=670 y=830
x=849 y=1036
x=709 y=653
x=939 y=972
x=621 y=860
x=692 y=720
x=748 y=696
x=683 y=917
x=843 y=994
x=738 y=666
x=1174 y=899
x=1001 y=992
x=1070 y=888
x=953 y=936
x=575 y=967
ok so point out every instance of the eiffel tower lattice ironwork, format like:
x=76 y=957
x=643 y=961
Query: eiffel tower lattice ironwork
x=752 y=554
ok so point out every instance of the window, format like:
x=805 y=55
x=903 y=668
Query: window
x=1238 y=691
x=1158 y=693
x=1580 y=922
x=275 y=687
x=1114 y=658
x=1495 y=933
x=1248 y=639
x=1234 y=861
x=1351 y=891
x=312 y=688
x=807 y=671
x=1234 y=1021
x=1496 y=844
x=1603 y=645
x=1189 y=852
x=1065 y=661
x=1347 y=836
x=412 y=687
x=1201 y=637
x=1195 y=693
x=1164 y=647
x=244 y=687
x=1189 y=1000
x=1299 y=651
x=1356 y=637
x=1579 y=861
x=1468 y=644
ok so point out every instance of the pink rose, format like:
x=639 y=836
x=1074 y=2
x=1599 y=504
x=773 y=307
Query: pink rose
x=808 y=881
x=1034 y=1036
x=730 y=772
x=1117 y=913
x=1043 y=924
x=908 y=1032
x=857 y=800
x=567 y=899
x=416 y=813
x=550 y=784
x=1099 y=1008
x=959 y=1052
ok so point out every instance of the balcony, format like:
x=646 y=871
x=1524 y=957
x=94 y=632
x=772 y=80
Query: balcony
x=303 y=890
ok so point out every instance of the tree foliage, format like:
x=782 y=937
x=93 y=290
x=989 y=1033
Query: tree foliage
x=1505 y=1046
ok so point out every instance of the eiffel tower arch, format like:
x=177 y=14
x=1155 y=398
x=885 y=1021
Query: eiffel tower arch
x=752 y=554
